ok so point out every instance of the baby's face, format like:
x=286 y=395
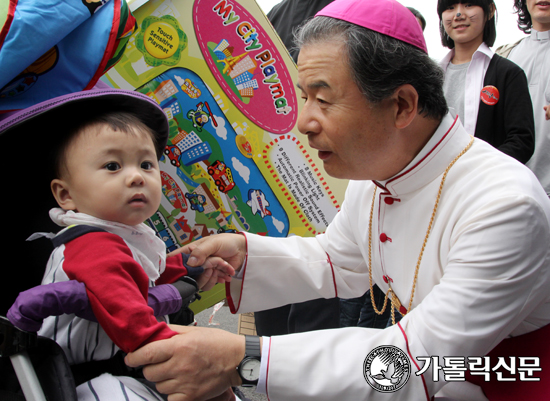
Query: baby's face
x=114 y=176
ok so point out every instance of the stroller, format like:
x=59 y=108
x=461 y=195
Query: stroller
x=33 y=367
x=65 y=55
x=42 y=57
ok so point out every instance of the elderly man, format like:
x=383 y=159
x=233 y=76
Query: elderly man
x=454 y=232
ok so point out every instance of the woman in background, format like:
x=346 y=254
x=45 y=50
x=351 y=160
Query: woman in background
x=490 y=94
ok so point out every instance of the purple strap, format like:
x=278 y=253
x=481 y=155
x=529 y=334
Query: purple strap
x=164 y=299
x=69 y=297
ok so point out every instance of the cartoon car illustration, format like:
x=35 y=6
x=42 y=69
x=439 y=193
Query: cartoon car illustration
x=196 y=201
x=173 y=192
x=174 y=154
x=258 y=203
x=222 y=176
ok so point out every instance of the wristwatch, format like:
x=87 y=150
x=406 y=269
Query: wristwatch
x=249 y=368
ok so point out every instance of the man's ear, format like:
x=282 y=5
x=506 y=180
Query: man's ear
x=62 y=195
x=406 y=98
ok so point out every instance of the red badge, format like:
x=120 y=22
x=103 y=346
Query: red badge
x=489 y=95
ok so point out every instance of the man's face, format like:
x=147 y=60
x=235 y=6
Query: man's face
x=113 y=176
x=540 y=14
x=352 y=137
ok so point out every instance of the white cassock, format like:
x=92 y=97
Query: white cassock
x=533 y=55
x=484 y=273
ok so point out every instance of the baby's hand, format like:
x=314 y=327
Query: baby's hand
x=219 y=255
x=547 y=109
x=216 y=270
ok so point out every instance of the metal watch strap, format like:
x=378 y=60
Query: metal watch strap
x=252 y=346
x=252 y=351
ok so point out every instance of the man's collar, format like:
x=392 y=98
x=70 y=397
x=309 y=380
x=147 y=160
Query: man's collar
x=539 y=36
x=446 y=142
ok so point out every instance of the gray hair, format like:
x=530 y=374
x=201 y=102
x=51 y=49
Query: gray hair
x=381 y=64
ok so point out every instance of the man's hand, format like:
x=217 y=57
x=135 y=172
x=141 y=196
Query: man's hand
x=216 y=270
x=220 y=255
x=197 y=364
x=547 y=110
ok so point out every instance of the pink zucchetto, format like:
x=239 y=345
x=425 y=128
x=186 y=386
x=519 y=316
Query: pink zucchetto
x=388 y=17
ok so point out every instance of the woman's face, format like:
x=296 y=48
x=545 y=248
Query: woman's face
x=464 y=23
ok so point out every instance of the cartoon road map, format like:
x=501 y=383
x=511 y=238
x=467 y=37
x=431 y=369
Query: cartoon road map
x=209 y=181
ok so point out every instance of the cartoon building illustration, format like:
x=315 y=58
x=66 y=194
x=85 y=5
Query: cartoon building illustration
x=219 y=49
x=187 y=148
x=185 y=141
x=229 y=62
x=196 y=154
x=246 y=64
x=182 y=231
x=165 y=90
x=243 y=78
x=166 y=7
x=233 y=200
x=228 y=51
x=250 y=83
x=200 y=230
x=247 y=92
x=171 y=108
x=222 y=218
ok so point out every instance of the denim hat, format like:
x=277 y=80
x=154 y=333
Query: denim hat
x=388 y=17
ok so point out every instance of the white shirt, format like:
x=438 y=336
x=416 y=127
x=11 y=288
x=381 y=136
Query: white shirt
x=473 y=84
x=483 y=275
x=533 y=55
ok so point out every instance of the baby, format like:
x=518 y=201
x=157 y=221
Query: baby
x=107 y=183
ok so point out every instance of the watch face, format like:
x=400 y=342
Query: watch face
x=250 y=369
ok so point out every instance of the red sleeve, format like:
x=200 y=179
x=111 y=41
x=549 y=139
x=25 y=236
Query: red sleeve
x=174 y=270
x=117 y=287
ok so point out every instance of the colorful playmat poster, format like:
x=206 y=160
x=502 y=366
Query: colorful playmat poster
x=235 y=160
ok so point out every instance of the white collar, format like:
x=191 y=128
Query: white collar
x=147 y=248
x=449 y=139
x=539 y=36
x=482 y=50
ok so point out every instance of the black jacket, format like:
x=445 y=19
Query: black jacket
x=508 y=125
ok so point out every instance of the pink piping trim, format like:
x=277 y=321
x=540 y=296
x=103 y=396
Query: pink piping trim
x=267 y=370
x=333 y=276
x=230 y=301
x=420 y=161
x=412 y=359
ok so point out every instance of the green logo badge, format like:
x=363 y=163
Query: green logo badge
x=161 y=40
